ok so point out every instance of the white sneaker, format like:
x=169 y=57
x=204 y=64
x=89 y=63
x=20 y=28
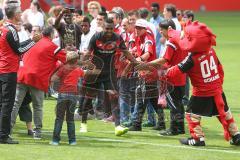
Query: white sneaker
x=119 y=130
x=83 y=128
x=54 y=95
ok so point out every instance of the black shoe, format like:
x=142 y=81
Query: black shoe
x=193 y=142
x=37 y=134
x=8 y=141
x=30 y=132
x=159 y=128
x=91 y=111
x=168 y=132
x=135 y=128
x=235 y=140
x=147 y=124
x=181 y=132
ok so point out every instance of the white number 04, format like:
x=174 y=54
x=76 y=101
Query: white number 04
x=206 y=68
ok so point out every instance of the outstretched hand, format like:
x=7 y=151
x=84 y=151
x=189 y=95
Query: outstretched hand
x=36 y=37
x=89 y=65
x=142 y=66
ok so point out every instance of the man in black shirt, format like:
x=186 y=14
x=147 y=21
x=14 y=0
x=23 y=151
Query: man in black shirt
x=70 y=33
x=102 y=48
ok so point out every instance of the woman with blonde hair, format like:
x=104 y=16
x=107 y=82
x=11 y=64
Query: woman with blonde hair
x=94 y=8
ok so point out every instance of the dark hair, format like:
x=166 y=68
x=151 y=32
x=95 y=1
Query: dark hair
x=103 y=9
x=36 y=3
x=86 y=19
x=189 y=14
x=109 y=20
x=79 y=11
x=10 y=11
x=28 y=27
x=171 y=8
x=119 y=11
x=112 y=12
x=143 y=12
x=104 y=14
x=165 y=24
x=47 y=31
x=155 y=4
x=133 y=12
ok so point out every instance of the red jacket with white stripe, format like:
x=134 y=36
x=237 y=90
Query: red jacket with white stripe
x=10 y=48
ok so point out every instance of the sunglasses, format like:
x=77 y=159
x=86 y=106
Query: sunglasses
x=139 y=28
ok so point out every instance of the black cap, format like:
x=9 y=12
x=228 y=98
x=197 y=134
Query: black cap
x=70 y=7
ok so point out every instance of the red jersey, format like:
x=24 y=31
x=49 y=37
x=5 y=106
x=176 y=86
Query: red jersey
x=118 y=29
x=146 y=43
x=175 y=55
x=142 y=45
x=39 y=62
x=205 y=72
x=69 y=77
x=10 y=48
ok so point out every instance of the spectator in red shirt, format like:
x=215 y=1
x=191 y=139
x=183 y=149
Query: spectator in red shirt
x=10 y=51
x=188 y=15
x=33 y=75
x=146 y=89
x=173 y=55
x=117 y=21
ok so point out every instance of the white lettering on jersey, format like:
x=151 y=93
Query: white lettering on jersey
x=206 y=67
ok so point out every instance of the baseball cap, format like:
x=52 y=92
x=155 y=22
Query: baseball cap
x=141 y=23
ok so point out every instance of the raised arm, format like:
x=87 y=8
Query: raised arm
x=58 y=19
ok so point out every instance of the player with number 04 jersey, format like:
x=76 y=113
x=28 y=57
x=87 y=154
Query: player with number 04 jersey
x=206 y=75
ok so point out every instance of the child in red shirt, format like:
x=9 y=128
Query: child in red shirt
x=67 y=75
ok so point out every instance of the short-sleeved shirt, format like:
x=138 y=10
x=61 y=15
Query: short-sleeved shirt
x=103 y=53
x=69 y=34
x=143 y=44
x=69 y=77
x=205 y=72
x=175 y=55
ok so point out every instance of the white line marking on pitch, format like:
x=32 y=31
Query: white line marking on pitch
x=144 y=143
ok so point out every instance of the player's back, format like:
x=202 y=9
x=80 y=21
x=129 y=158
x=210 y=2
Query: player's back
x=205 y=74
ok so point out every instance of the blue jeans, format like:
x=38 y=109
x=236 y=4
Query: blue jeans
x=150 y=114
x=126 y=97
x=66 y=104
x=151 y=96
x=150 y=111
